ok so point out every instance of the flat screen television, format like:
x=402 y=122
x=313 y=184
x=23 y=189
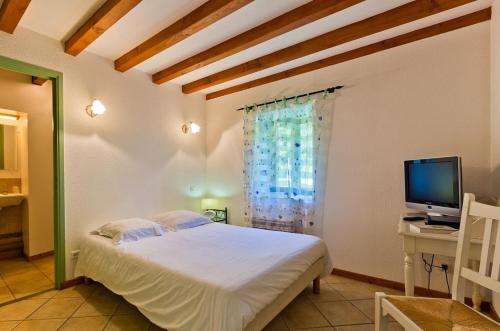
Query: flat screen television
x=435 y=185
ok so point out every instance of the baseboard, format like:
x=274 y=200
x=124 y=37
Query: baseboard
x=494 y=314
x=39 y=256
x=421 y=291
x=72 y=282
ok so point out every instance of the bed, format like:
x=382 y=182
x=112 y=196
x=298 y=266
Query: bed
x=213 y=277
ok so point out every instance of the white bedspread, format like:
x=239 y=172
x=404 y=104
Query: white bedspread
x=212 y=277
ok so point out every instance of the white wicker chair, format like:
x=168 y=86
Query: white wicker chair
x=452 y=314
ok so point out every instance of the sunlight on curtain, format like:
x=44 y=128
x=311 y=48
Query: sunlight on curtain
x=284 y=147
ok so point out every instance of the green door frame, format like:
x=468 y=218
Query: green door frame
x=58 y=155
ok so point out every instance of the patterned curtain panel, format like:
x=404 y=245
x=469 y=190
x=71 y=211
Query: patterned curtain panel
x=285 y=156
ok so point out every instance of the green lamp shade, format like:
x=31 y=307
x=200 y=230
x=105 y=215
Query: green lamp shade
x=209 y=203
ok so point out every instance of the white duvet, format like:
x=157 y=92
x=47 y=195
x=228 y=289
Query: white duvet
x=213 y=277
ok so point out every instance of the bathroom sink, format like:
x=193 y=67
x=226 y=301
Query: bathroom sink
x=11 y=199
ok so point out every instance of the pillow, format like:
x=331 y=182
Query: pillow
x=131 y=229
x=180 y=220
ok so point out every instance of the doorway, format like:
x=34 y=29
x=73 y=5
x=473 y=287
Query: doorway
x=50 y=264
x=26 y=190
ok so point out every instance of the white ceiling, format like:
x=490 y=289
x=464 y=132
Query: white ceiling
x=58 y=19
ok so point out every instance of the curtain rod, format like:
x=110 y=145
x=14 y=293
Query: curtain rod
x=329 y=90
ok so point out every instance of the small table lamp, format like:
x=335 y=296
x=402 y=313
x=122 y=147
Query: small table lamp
x=211 y=205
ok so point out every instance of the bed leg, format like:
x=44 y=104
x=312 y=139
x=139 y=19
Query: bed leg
x=316 y=285
x=87 y=281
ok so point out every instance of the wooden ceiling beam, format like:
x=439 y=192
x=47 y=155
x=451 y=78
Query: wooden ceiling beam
x=107 y=15
x=203 y=16
x=398 y=16
x=38 y=81
x=289 y=21
x=454 y=24
x=11 y=13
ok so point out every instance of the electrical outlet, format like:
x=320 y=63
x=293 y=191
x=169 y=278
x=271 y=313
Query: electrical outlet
x=74 y=254
x=440 y=260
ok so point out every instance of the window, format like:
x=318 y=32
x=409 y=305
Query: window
x=281 y=153
x=285 y=154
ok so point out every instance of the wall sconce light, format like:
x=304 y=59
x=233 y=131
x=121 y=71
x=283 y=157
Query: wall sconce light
x=191 y=127
x=95 y=108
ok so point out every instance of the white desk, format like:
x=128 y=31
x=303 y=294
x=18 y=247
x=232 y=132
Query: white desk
x=431 y=243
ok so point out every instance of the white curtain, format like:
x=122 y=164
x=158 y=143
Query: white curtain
x=285 y=161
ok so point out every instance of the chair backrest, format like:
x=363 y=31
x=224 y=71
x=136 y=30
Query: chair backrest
x=489 y=265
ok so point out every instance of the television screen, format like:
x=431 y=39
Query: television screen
x=433 y=182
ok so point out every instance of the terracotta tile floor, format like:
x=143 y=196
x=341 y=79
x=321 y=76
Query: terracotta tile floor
x=343 y=305
x=20 y=278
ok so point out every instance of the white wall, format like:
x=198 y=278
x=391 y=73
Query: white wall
x=495 y=110
x=495 y=97
x=20 y=95
x=429 y=98
x=131 y=161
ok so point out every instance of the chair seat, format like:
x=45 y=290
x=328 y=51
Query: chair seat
x=442 y=314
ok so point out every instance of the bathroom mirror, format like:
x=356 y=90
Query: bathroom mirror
x=8 y=147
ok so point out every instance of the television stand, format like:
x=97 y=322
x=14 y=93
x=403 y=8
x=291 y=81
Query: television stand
x=434 y=243
x=453 y=221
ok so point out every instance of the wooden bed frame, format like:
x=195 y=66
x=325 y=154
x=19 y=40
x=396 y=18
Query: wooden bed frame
x=266 y=315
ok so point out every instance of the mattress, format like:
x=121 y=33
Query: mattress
x=212 y=277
